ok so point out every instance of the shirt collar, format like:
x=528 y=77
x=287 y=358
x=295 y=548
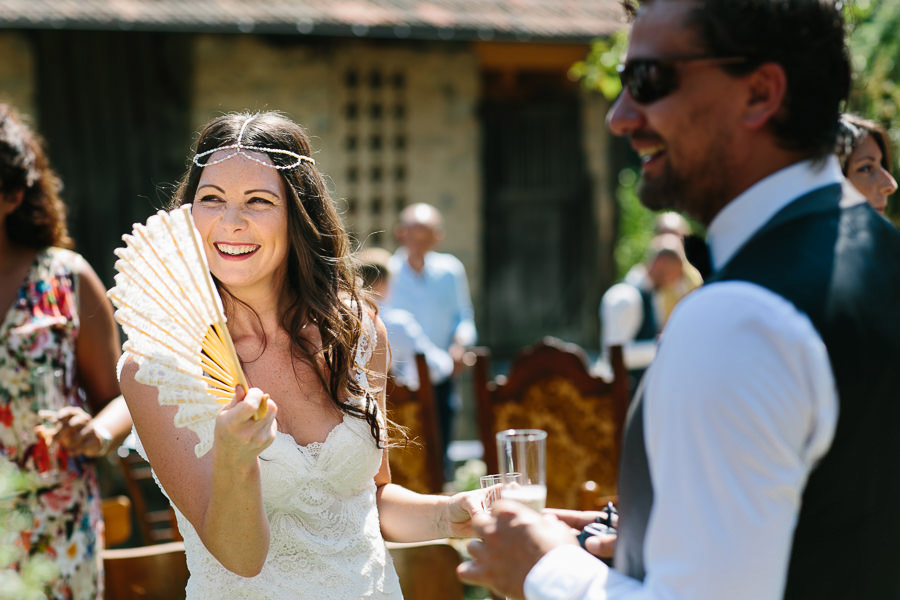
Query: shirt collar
x=403 y=255
x=753 y=208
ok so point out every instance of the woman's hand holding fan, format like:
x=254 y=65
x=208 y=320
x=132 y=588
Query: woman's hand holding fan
x=169 y=308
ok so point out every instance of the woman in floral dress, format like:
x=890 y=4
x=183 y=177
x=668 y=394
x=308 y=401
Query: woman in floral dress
x=58 y=351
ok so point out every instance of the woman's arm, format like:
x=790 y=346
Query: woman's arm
x=220 y=494
x=97 y=351
x=405 y=515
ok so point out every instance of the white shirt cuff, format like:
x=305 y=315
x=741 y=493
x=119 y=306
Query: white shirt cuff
x=564 y=573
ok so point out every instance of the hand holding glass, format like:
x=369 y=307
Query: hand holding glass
x=48 y=401
x=523 y=452
x=491 y=484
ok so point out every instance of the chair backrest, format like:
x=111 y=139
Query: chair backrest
x=157 y=572
x=416 y=465
x=155 y=517
x=550 y=387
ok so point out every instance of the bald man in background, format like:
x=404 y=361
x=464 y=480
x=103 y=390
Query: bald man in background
x=432 y=286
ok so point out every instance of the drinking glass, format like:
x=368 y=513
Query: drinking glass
x=491 y=484
x=523 y=452
x=48 y=400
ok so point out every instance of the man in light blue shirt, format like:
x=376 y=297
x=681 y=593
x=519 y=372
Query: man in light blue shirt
x=405 y=335
x=432 y=286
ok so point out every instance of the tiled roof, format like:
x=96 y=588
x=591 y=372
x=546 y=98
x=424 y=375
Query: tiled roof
x=437 y=19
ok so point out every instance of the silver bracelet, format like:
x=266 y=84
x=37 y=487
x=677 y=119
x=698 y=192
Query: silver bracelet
x=105 y=437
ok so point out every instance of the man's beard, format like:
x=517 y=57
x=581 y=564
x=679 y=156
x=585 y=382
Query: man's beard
x=700 y=193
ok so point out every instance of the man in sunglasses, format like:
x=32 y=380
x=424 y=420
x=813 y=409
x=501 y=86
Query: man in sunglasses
x=773 y=395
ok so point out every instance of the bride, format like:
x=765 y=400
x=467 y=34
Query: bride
x=297 y=504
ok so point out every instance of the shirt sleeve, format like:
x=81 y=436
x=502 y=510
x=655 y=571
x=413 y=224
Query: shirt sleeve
x=407 y=338
x=732 y=429
x=440 y=363
x=621 y=313
x=465 y=333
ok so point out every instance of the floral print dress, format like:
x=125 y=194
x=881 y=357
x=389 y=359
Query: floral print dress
x=61 y=507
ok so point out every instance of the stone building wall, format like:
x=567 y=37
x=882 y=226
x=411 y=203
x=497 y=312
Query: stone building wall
x=17 y=73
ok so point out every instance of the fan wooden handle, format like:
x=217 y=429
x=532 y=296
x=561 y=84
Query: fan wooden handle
x=263 y=407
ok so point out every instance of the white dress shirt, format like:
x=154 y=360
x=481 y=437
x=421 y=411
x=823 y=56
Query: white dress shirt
x=621 y=314
x=740 y=404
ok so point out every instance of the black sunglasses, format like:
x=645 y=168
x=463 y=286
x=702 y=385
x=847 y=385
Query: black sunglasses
x=651 y=79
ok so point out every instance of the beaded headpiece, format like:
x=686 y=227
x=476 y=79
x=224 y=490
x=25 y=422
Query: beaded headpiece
x=240 y=148
x=849 y=136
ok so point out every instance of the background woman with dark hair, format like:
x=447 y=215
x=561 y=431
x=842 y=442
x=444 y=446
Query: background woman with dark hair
x=58 y=351
x=864 y=150
x=297 y=504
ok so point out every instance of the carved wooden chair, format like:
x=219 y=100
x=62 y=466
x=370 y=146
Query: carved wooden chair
x=416 y=464
x=550 y=387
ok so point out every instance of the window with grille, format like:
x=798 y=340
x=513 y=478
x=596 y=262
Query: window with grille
x=375 y=143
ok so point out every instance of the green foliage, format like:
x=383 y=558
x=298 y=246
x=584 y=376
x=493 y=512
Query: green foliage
x=635 y=224
x=598 y=70
x=468 y=476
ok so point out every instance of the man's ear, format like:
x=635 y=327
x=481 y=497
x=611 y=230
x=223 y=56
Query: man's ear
x=11 y=201
x=766 y=91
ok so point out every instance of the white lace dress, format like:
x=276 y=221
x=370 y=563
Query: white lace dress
x=325 y=537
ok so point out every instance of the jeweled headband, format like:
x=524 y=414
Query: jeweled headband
x=240 y=148
x=849 y=136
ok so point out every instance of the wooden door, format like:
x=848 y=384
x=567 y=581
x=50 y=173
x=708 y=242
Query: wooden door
x=539 y=224
x=114 y=110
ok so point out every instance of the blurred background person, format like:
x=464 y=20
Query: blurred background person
x=864 y=150
x=671 y=222
x=634 y=312
x=58 y=352
x=666 y=224
x=405 y=335
x=432 y=286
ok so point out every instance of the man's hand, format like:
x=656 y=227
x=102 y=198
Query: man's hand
x=601 y=546
x=514 y=538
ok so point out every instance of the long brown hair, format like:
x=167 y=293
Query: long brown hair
x=321 y=283
x=39 y=220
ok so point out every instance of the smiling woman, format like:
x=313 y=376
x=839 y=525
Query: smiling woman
x=306 y=488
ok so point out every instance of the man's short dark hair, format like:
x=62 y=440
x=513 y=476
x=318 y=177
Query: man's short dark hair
x=805 y=37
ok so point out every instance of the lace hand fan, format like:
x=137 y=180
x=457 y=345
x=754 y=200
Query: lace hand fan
x=168 y=306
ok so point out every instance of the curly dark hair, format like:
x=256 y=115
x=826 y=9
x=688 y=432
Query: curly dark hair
x=321 y=279
x=39 y=220
x=805 y=37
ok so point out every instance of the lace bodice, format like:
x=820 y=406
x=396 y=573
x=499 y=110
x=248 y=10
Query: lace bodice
x=325 y=537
